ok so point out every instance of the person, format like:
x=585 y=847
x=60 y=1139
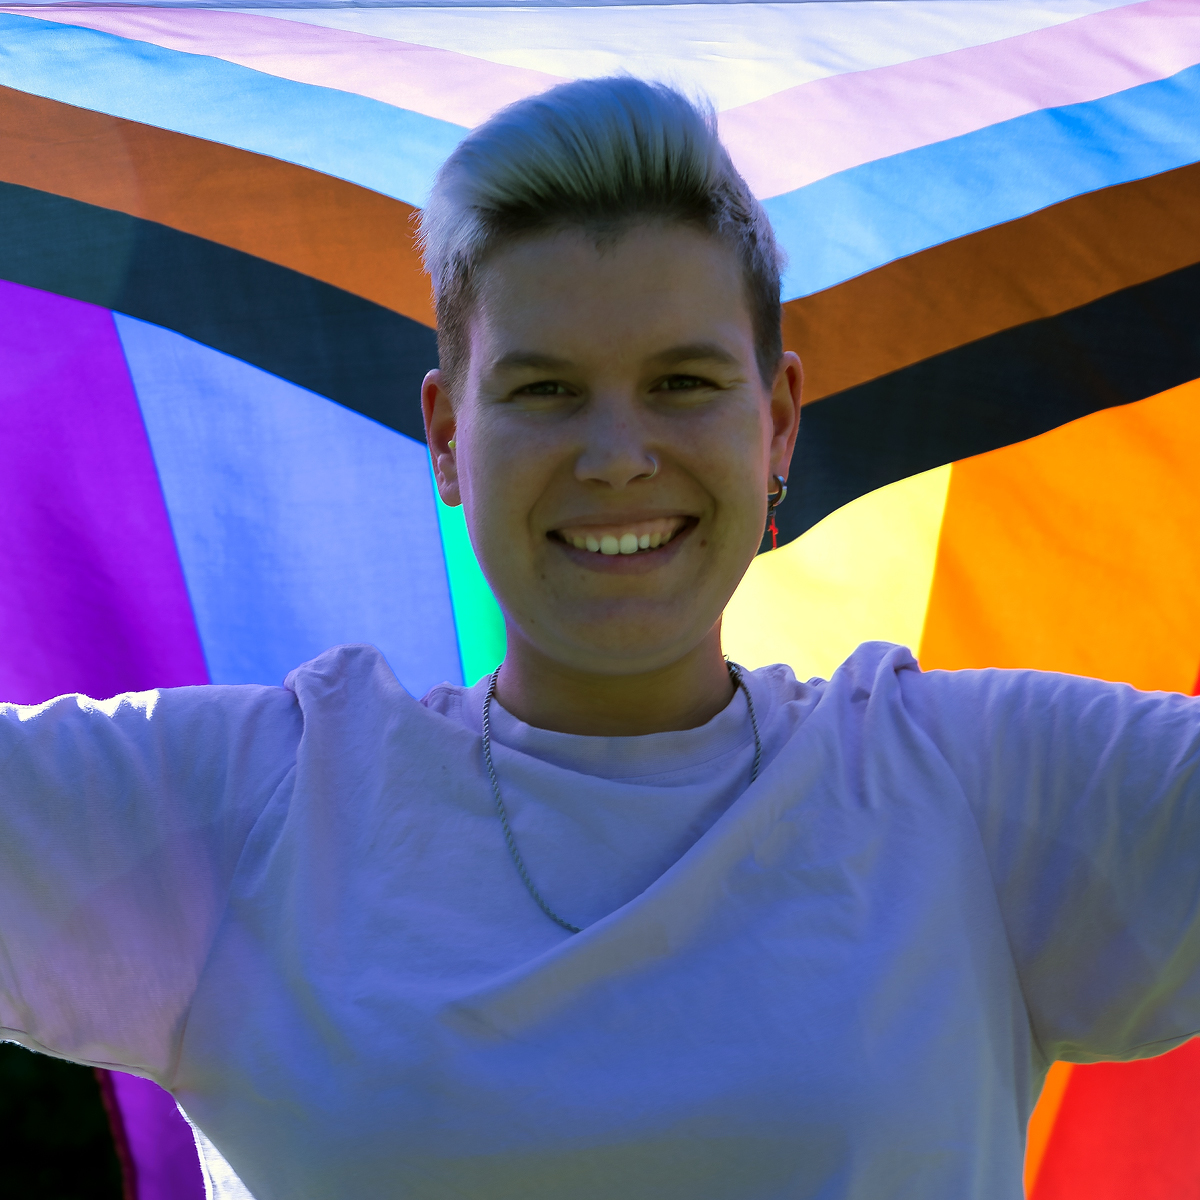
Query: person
x=622 y=919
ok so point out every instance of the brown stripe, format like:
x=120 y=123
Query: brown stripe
x=1038 y=266
x=356 y=239
x=332 y=230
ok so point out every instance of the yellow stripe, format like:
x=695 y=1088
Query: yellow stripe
x=862 y=574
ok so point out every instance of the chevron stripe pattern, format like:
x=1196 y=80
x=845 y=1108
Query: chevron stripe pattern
x=213 y=324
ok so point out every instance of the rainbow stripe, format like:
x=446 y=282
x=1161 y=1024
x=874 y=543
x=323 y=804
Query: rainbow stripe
x=213 y=321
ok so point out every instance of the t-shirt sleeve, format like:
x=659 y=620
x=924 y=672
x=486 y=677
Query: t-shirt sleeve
x=121 y=824
x=1087 y=798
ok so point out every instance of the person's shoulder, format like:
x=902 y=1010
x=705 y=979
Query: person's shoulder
x=872 y=665
x=888 y=674
x=867 y=667
x=339 y=667
x=446 y=699
x=357 y=678
x=458 y=703
x=356 y=672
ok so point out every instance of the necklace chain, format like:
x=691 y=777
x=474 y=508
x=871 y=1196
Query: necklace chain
x=735 y=673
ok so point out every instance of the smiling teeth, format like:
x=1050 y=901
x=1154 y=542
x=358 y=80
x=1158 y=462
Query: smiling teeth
x=641 y=535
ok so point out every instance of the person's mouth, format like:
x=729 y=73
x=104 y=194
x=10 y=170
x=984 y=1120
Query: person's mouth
x=625 y=538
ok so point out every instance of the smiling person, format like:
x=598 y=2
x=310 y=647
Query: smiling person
x=623 y=919
x=615 y=405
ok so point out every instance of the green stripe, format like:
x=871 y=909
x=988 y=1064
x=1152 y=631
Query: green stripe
x=477 y=616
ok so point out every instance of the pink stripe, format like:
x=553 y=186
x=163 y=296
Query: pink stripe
x=817 y=129
x=439 y=83
x=92 y=596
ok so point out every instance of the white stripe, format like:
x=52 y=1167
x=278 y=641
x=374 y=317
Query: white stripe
x=733 y=53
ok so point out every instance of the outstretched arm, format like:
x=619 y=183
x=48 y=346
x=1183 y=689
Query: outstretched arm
x=1087 y=797
x=121 y=823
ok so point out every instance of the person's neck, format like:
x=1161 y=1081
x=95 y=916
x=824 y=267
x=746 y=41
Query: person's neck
x=551 y=695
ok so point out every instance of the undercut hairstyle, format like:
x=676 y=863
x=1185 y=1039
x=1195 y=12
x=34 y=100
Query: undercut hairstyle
x=600 y=156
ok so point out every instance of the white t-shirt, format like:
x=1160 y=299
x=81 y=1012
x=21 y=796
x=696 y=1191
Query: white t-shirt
x=295 y=909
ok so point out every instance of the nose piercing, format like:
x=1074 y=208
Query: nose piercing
x=650 y=474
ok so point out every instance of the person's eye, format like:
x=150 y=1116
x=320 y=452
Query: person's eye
x=543 y=387
x=683 y=383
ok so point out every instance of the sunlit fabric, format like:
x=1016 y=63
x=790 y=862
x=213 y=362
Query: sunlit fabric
x=213 y=323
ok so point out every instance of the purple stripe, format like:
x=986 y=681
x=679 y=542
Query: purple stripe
x=92 y=597
x=160 y=1141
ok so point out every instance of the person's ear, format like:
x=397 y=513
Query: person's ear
x=440 y=429
x=785 y=412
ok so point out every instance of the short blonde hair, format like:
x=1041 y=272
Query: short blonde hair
x=599 y=155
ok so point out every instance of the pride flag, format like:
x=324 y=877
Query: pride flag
x=213 y=323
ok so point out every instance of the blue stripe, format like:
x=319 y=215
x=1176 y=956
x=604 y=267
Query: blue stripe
x=832 y=230
x=300 y=524
x=387 y=149
x=862 y=218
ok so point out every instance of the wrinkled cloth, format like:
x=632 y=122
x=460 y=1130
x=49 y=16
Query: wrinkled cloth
x=295 y=909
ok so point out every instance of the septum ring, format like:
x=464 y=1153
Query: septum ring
x=650 y=474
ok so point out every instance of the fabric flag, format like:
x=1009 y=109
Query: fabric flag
x=213 y=324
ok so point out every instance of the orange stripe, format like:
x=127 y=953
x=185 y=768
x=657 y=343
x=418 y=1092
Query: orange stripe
x=1041 y=1123
x=1077 y=551
x=332 y=230
x=1041 y=265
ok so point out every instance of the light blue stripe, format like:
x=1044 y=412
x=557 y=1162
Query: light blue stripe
x=832 y=230
x=862 y=218
x=387 y=149
x=300 y=524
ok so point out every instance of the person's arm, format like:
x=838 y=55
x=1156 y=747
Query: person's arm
x=1087 y=798
x=121 y=824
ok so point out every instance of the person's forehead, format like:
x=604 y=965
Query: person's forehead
x=680 y=248
x=648 y=284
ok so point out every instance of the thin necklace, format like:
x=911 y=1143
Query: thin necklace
x=735 y=673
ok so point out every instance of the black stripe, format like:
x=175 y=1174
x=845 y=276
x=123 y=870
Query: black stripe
x=339 y=345
x=1002 y=389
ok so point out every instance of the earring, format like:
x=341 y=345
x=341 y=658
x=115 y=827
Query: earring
x=450 y=443
x=774 y=500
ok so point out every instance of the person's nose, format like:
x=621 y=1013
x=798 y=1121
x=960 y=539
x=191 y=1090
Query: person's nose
x=615 y=450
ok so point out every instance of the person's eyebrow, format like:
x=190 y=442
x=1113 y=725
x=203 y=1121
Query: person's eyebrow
x=695 y=352
x=529 y=360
